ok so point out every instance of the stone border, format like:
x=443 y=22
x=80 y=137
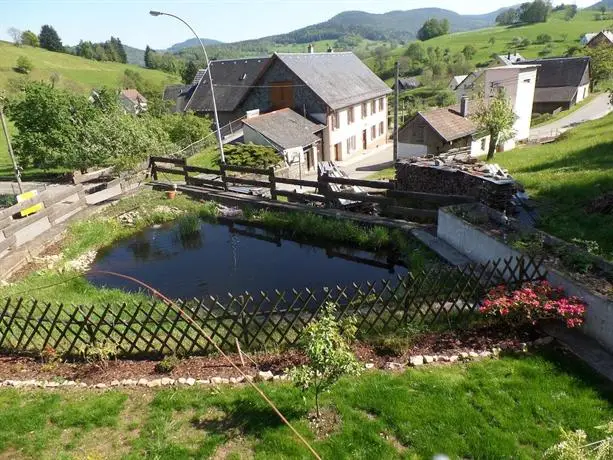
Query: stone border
x=265 y=376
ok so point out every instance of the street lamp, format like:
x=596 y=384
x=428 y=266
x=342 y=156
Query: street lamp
x=208 y=71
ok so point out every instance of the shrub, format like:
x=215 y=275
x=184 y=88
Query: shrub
x=167 y=365
x=189 y=225
x=533 y=302
x=543 y=38
x=325 y=342
x=24 y=65
x=575 y=446
x=251 y=155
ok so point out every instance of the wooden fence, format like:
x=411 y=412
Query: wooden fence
x=394 y=203
x=258 y=321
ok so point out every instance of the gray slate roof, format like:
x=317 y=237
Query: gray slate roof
x=339 y=79
x=561 y=72
x=179 y=94
x=285 y=128
x=560 y=94
x=232 y=79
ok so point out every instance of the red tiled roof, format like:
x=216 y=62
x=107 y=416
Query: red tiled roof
x=134 y=95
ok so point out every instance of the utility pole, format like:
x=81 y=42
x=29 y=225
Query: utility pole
x=396 y=102
x=10 y=147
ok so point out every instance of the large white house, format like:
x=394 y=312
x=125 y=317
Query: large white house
x=518 y=83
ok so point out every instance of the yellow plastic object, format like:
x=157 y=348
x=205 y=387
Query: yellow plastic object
x=28 y=196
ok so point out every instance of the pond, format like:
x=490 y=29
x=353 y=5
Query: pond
x=220 y=259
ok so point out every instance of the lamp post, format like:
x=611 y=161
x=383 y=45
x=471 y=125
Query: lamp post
x=208 y=71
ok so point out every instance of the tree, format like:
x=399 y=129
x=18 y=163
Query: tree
x=497 y=119
x=50 y=40
x=601 y=62
x=508 y=17
x=187 y=128
x=546 y=51
x=189 y=72
x=492 y=41
x=469 y=52
x=433 y=28
x=325 y=343
x=525 y=43
x=29 y=38
x=542 y=39
x=57 y=128
x=415 y=51
x=24 y=65
x=15 y=35
x=54 y=78
x=571 y=12
x=537 y=11
x=148 y=60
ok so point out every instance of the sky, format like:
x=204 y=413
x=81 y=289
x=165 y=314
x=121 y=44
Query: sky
x=223 y=20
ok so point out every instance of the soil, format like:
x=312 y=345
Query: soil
x=432 y=343
x=328 y=423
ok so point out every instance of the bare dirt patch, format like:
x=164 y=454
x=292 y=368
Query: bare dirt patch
x=327 y=424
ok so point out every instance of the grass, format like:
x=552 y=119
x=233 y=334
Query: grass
x=556 y=26
x=509 y=408
x=96 y=233
x=76 y=73
x=565 y=177
x=387 y=173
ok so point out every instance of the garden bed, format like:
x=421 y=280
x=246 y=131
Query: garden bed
x=379 y=352
x=484 y=234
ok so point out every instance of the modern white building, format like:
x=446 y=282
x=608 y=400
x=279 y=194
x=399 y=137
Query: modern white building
x=518 y=82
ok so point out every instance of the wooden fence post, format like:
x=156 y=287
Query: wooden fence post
x=273 y=182
x=154 y=172
x=224 y=179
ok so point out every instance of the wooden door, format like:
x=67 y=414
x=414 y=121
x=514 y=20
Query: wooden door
x=364 y=139
x=281 y=95
x=337 y=152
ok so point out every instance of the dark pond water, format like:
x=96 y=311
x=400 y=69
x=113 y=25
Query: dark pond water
x=219 y=259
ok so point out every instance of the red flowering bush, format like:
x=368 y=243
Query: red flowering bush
x=533 y=302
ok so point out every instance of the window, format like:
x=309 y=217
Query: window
x=336 y=122
x=373 y=107
x=350 y=115
x=381 y=129
x=351 y=143
x=483 y=144
x=373 y=132
x=381 y=104
x=364 y=110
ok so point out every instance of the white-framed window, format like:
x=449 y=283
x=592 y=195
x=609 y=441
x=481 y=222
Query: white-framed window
x=381 y=104
x=373 y=107
x=381 y=129
x=364 y=110
x=350 y=115
x=373 y=132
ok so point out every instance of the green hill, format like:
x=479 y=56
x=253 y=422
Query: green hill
x=564 y=34
x=77 y=74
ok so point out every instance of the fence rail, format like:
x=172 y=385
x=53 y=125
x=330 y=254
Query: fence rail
x=258 y=321
x=409 y=205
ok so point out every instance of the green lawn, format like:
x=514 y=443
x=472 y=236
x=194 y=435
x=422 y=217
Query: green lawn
x=564 y=34
x=565 y=177
x=510 y=408
x=77 y=74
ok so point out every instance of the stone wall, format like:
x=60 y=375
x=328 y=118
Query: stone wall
x=445 y=180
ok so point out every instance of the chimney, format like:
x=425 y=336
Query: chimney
x=464 y=106
x=252 y=113
x=311 y=48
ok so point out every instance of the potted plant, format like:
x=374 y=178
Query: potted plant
x=171 y=194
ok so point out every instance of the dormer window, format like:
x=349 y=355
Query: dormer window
x=243 y=77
